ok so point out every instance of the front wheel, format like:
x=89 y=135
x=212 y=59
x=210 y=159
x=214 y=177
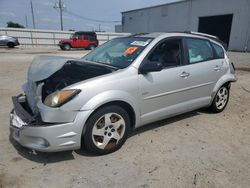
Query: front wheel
x=11 y=45
x=66 y=47
x=220 y=100
x=106 y=130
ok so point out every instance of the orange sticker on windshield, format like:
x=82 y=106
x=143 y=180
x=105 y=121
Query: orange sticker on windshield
x=130 y=50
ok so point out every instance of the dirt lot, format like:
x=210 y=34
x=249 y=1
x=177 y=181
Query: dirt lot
x=197 y=149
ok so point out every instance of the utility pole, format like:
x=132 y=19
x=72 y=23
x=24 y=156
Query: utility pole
x=26 y=20
x=99 y=27
x=60 y=6
x=32 y=12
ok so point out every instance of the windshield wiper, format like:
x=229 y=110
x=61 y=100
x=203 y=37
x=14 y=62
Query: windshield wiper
x=107 y=64
x=102 y=63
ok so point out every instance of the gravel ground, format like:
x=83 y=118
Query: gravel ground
x=197 y=149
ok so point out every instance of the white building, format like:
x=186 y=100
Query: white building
x=227 y=19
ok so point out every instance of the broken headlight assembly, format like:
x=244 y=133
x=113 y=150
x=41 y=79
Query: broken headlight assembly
x=58 y=98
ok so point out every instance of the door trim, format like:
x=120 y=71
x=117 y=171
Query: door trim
x=177 y=91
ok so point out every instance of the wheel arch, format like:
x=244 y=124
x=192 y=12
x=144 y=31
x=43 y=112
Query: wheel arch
x=11 y=43
x=67 y=43
x=224 y=80
x=125 y=105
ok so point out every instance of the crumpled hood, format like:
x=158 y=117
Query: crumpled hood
x=44 y=66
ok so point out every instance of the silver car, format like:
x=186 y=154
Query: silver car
x=125 y=83
x=11 y=42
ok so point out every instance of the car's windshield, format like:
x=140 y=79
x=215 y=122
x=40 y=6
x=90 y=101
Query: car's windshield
x=119 y=52
x=74 y=36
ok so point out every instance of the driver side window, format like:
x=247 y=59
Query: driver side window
x=79 y=37
x=168 y=53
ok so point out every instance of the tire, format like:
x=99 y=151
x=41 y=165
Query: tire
x=106 y=130
x=91 y=47
x=62 y=48
x=220 y=100
x=66 y=47
x=11 y=45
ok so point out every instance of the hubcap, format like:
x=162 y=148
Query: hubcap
x=221 y=98
x=108 y=130
x=67 y=47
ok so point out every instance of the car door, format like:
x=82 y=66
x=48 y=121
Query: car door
x=204 y=69
x=85 y=43
x=80 y=41
x=74 y=41
x=164 y=93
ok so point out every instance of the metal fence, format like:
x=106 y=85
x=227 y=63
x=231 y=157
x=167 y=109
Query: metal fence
x=37 y=37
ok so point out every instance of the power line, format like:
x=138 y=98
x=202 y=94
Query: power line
x=90 y=19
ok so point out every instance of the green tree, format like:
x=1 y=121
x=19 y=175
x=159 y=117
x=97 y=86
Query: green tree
x=14 y=24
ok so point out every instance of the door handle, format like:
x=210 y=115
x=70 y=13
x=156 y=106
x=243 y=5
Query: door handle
x=184 y=74
x=217 y=68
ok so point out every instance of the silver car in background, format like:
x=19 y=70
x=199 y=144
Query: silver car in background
x=11 y=42
x=123 y=84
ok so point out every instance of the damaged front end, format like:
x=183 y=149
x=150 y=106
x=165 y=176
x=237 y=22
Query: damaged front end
x=38 y=119
x=47 y=78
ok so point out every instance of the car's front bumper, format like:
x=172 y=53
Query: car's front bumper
x=47 y=137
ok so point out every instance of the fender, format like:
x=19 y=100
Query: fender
x=111 y=96
x=224 y=79
x=67 y=43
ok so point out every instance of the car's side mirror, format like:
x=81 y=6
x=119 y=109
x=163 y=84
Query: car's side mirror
x=150 y=67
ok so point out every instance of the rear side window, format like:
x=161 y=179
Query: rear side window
x=199 y=50
x=86 y=37
x=219 y=52
x=92 y=38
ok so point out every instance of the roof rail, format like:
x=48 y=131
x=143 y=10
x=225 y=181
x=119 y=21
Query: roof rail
x=215 y=38
x=137 y=34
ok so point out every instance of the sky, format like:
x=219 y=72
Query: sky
x=47 y=17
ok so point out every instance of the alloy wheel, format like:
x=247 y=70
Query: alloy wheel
x=222 y=98
x=108 y=130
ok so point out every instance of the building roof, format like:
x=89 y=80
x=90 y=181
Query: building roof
x=175 y=2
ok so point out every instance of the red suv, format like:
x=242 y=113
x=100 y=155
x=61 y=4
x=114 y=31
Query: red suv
x=80 y=39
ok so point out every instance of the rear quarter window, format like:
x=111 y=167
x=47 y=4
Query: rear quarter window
x=219 y=52
x=199 y=50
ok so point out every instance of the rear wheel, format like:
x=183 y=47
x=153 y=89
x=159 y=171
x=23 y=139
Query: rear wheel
x=66 y=46
x=92 y=47
x=11 y=45
x=106 y=130
x=220 y=100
